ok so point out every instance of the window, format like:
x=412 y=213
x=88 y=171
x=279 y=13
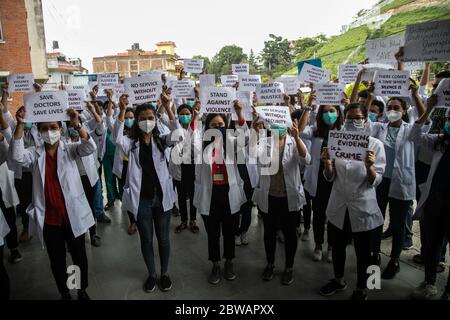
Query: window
x=164 y=52
x=66 y=79
x=1 y=30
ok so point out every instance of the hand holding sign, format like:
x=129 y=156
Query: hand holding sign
x=370 y=159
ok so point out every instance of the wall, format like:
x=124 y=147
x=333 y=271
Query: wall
x=36 y=37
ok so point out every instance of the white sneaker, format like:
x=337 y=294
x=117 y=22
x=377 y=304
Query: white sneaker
x=424 y=292
x=237 y=240
x=317 y=255
x=329 y=256
x=305 y=235
x=244 y=240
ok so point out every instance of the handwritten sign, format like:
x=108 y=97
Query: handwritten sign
x=217 y=99
x=193 y=65
x=46 y=106
x=143 y=89
x=183 y=89
x=443 y=93
x=348 y=145
x=229 y=80
x=76 y=99
x=329 y=93
x=20 y=82
x=241 y=68
x=207 y=80
x=278 y=115
x=348 y=72
x=291 y=84
x=314 y=62
x=392 y=83
x=438 y=118
x=245 y=97
x=249 y=82
x=118 y=90
x=428 y=41
x=107 y=81
x=384 y=50
x=312 y=74
x=270 y=92
x=152 y=73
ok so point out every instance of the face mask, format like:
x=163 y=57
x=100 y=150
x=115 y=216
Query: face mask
x=147 y=125
x=190 y=103
x=51 y=136
x=129 y=123
x=373 y=117
x=447 y=127
x=393 y=115
x=73 y=133
x=28 y=125
x=184 y=118
x=281 y=129
x=329 y=118
x=354 y=124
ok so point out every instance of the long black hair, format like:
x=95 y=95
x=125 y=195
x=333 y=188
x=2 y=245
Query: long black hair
x=136 y=132
x=322 y=128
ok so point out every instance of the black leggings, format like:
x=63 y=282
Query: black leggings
x=89 y=192
x=319 y=208
x=24 y=189
x=10 y=216
x=185 y=190
x=4 y=279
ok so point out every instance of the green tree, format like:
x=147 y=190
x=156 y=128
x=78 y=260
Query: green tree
x=305 y=47
x=206 y=64
x=253 y=62
x=222 y=61
x=276 y=52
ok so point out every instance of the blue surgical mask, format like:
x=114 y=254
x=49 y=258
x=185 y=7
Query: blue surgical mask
x=447 y=127
x=73 y=133
x=129 y=123
x=373 y=117
x=282 y=130
x=329 y=118
x=190 y=103
x=28 y=125
x=184 y=118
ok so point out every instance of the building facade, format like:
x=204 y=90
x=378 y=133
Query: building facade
x=62 y=70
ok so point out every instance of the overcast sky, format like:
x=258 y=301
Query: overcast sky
x=90 y=28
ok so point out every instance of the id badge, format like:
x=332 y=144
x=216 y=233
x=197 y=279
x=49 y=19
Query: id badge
x=218 y=177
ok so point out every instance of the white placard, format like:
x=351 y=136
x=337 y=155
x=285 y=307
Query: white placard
x=76 y=99
x=413 y=66
x=291 y=84
x=118 y=90
x=193 y=65
x=270 y=92
x=229 y=80
x=329 y=93
x=428 y=41
x=392 y=83
x=20 y=82
x=182 y=89
x=312 y=74
x=241 y=68
x=245 y=97
x=438 y=118
x=443 y=93
x=348 y=145
x=207 y=80
x=348 y=72
x=249 y=82
x=107 y=81
x=217 y=99
x=144 y=73
x=46 y=106
x=383 y=50
x=278 y=115
x=143 y=89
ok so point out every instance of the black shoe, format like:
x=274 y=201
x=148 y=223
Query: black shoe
x=150 y=284
x=387 y=234
x=332 y=287
x=359 y=295
x=376 y=259
x=392 y=268
x=165 y=284
x=109 y=206
x=268 y=272
x=440 y=267
x=418 y=259
x=83 y=296
x=215 y=276
x=15 y=257
x=444 y=296
x=95 y=241
x=66 y=296
x=104 y=219
x=288 y=277
x=175 y=211
x=228 y=271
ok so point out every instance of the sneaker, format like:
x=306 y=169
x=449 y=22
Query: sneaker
x=15 y=257
x=244 y=239
x=149 y=285
x=305 y=235
x=418 y=259
x=424 y=292
x=66 y=297
x=24 y=236
x=237 y=240
x=359 y=295
x=392 y=268
x=165 y=284
x=267 y=275
x=215 y=277
x=332 y=287
x=104 y=219
x=109 y=206
x=288 y=277
x=228 y=272
x=95 y=241
x=329 y=256
x=317 y=255
x=83 y=296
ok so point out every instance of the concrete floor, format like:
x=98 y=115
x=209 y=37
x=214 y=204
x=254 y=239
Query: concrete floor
x=117 y=270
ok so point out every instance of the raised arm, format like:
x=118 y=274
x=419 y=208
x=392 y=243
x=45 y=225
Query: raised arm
x=354 y=95
x=303 y=122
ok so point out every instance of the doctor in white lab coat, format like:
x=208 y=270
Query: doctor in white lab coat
x=59 y=210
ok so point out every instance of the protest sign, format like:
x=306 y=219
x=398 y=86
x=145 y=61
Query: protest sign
x=314 y=62
x=46 y=106
x=76 y=99
x=438 y=119
x=245 y=97
x=183 y=89
x=413 y=66
x=348 y=145
x=371 y=68
x=329 y=93
x=193 y=65
x=278 y=115
x=312 y=74
x=270 y=92
x=249 y=82
x=217 y=99
x=443 y=93
x=348 y=72
x=428 y=41
x=207 y=80
x=291 y=84
x=22 y=82
x=107 y=81
x=392 y=83
x=143 y=89
x=241 y=68
x=119 y=90
x=229 y=80
x=383 y=50
x=152 y=73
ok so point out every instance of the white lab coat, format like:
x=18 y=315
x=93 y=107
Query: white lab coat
x=291 y=170
x=311 y=174
x=9 y=194
x=4 y=228
x=132 y=187
x=77 y=206
x=351 y=191
x=90 y=164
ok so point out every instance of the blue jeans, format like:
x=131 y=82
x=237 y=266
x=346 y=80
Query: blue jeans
x=98 y=199
x=150 y=212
